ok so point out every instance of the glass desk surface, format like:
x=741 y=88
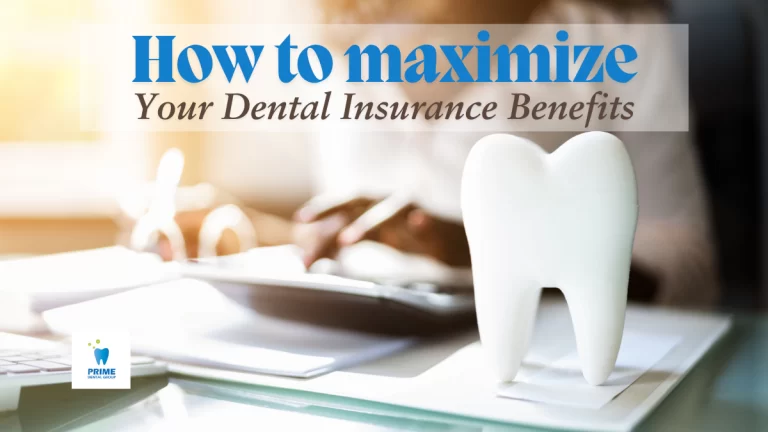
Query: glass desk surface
x=727 y=391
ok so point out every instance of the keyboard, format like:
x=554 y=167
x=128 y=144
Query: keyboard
x=27 y=361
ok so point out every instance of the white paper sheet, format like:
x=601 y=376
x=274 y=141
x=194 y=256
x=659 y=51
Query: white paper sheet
x=191 y=322
x=562 y=382
x=51 y=281
x=367 y=261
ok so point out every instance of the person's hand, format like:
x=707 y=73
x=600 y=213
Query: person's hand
x=325 y=224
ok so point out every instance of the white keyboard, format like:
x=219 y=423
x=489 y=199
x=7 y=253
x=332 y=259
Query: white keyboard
x=26 y=361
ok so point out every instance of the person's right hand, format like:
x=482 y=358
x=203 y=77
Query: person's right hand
x=320 y=221
x=324 y=225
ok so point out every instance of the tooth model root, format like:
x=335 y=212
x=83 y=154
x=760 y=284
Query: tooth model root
x=506 y=327
x=598 y=327
x=564 y=220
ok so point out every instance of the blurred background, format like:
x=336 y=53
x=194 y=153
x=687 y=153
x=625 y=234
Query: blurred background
x=60 y=188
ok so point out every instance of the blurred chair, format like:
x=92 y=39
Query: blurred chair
x=725 y=82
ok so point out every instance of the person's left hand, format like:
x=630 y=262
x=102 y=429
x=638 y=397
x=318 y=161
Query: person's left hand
x=325 y=225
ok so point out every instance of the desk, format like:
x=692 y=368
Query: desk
x=728 y=391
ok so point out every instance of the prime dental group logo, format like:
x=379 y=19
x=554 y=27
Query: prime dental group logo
x=101 y=355
x=101 y=360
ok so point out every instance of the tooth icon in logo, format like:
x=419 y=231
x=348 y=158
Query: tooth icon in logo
x=102 y=355
x=565 y=220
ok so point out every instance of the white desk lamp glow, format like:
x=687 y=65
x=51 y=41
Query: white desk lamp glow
x=566 y=220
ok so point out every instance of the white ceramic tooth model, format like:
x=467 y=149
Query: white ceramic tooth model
x=566 y=220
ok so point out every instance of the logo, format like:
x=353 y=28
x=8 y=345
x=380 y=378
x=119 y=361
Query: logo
x=101 y=360
x=102 y=356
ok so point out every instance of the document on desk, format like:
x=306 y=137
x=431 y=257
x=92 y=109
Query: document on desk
x=50 y=281
x=562 y=383
x=658 y=349
x=191 y=322
x=288 y=359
